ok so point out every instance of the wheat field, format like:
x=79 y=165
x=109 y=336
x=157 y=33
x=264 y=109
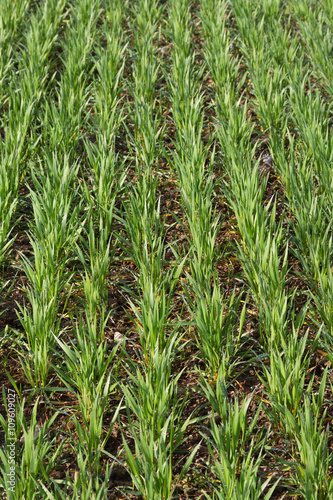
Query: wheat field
x=166 y=249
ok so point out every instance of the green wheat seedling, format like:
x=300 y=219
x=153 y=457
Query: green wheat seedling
x=142 y=218
x=11 y=172
x=260 y=249
x=155 y=285
x=266 y=274
x=151 y=393
x=272 y=8
x=190 y=164
x=106 y=172
x=196 y=187
x=262 y=238
x=34 y=63
x=187 y=103
x=271 y=98
x=284 y=380
x=147 y=15
x=312 y=117
x=108 y=116
x=204 y=228
x=145 y=76
x=80 y=484
x=233 y=447
x=64 y=117
x=62 y=122
x=28 y=86
x=251 y=32
x=234 y=132
x=39 y=43
x=316 y=29
x=325 y=5
x=312 y=233
x=12 y=19
x=40 y=321
x=86 y=367
x=218 y=326
x=224 y=69
x=56 y=224
x=178 y=26
x=252 y=217
x=184 y=80
x=96 y=266
x=285 y=50
x=157 y=430
x=144 y=141
x=308 y=187
x=106 y=180
x=91 y=435
x=36 y=454
x=322 y=298
x=203 y=224
x=269 y=81
x=148 y=133
x=7 y=208
x=312 y=459
x=152 y=315
x=13 y=148
x=190 y=159
x=110 y=63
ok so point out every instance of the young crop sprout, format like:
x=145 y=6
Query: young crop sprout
x=37 y=453
x=233 y=446
x=158 y=431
